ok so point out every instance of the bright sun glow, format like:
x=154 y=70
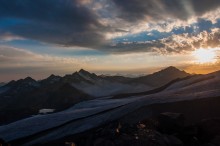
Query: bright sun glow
x=205 y=55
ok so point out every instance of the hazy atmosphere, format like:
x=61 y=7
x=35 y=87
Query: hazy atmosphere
x=38 y=38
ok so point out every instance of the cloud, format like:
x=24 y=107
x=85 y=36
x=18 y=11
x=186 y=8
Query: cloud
x=64 y=22
x=189 y=42
x=97 y=23
x=180 y=43
x=9 y=37
x=15 y=59
x=134 y=10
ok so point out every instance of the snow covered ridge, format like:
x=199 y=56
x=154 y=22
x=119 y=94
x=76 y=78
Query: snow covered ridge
x=92 y=113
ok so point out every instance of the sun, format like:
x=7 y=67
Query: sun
x=205 y=56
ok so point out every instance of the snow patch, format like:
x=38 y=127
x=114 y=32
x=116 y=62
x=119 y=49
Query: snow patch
x=46 y=111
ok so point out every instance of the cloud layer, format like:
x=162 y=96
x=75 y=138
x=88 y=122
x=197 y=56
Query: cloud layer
x=133 y=10
x=105 y=25
x=64 y=22
x=17 y=61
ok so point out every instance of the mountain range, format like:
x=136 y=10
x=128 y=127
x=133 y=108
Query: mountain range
x=25 y=97
x=197 y=96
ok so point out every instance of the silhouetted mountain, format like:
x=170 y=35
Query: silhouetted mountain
x=27 y=81
x=105 y=86
x=156 y=79
x=120 y=79
x=74 y=78
x=25 y=97
x=56 y=96
x=162 y=77
x=84 y=72
x=21 y=86
x=51 y=80
x=88 y=76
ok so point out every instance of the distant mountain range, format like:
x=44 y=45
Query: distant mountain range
x=27 y=96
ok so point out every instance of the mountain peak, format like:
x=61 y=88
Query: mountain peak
x=83 y=71
x=163 y=76
x=52 y=76
x=51 y=79
x=171 y=69
x=87 y=75
x=28 y=79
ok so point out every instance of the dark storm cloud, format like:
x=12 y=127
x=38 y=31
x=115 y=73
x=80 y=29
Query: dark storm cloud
x=203 y=6
x=65 y=22
x=134 y=10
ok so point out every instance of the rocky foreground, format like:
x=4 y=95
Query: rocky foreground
x=168 y=129
x=185 y=123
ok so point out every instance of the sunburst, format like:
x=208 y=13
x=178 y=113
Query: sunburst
x=203 y=56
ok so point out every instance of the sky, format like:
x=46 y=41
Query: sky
x=43 y=37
